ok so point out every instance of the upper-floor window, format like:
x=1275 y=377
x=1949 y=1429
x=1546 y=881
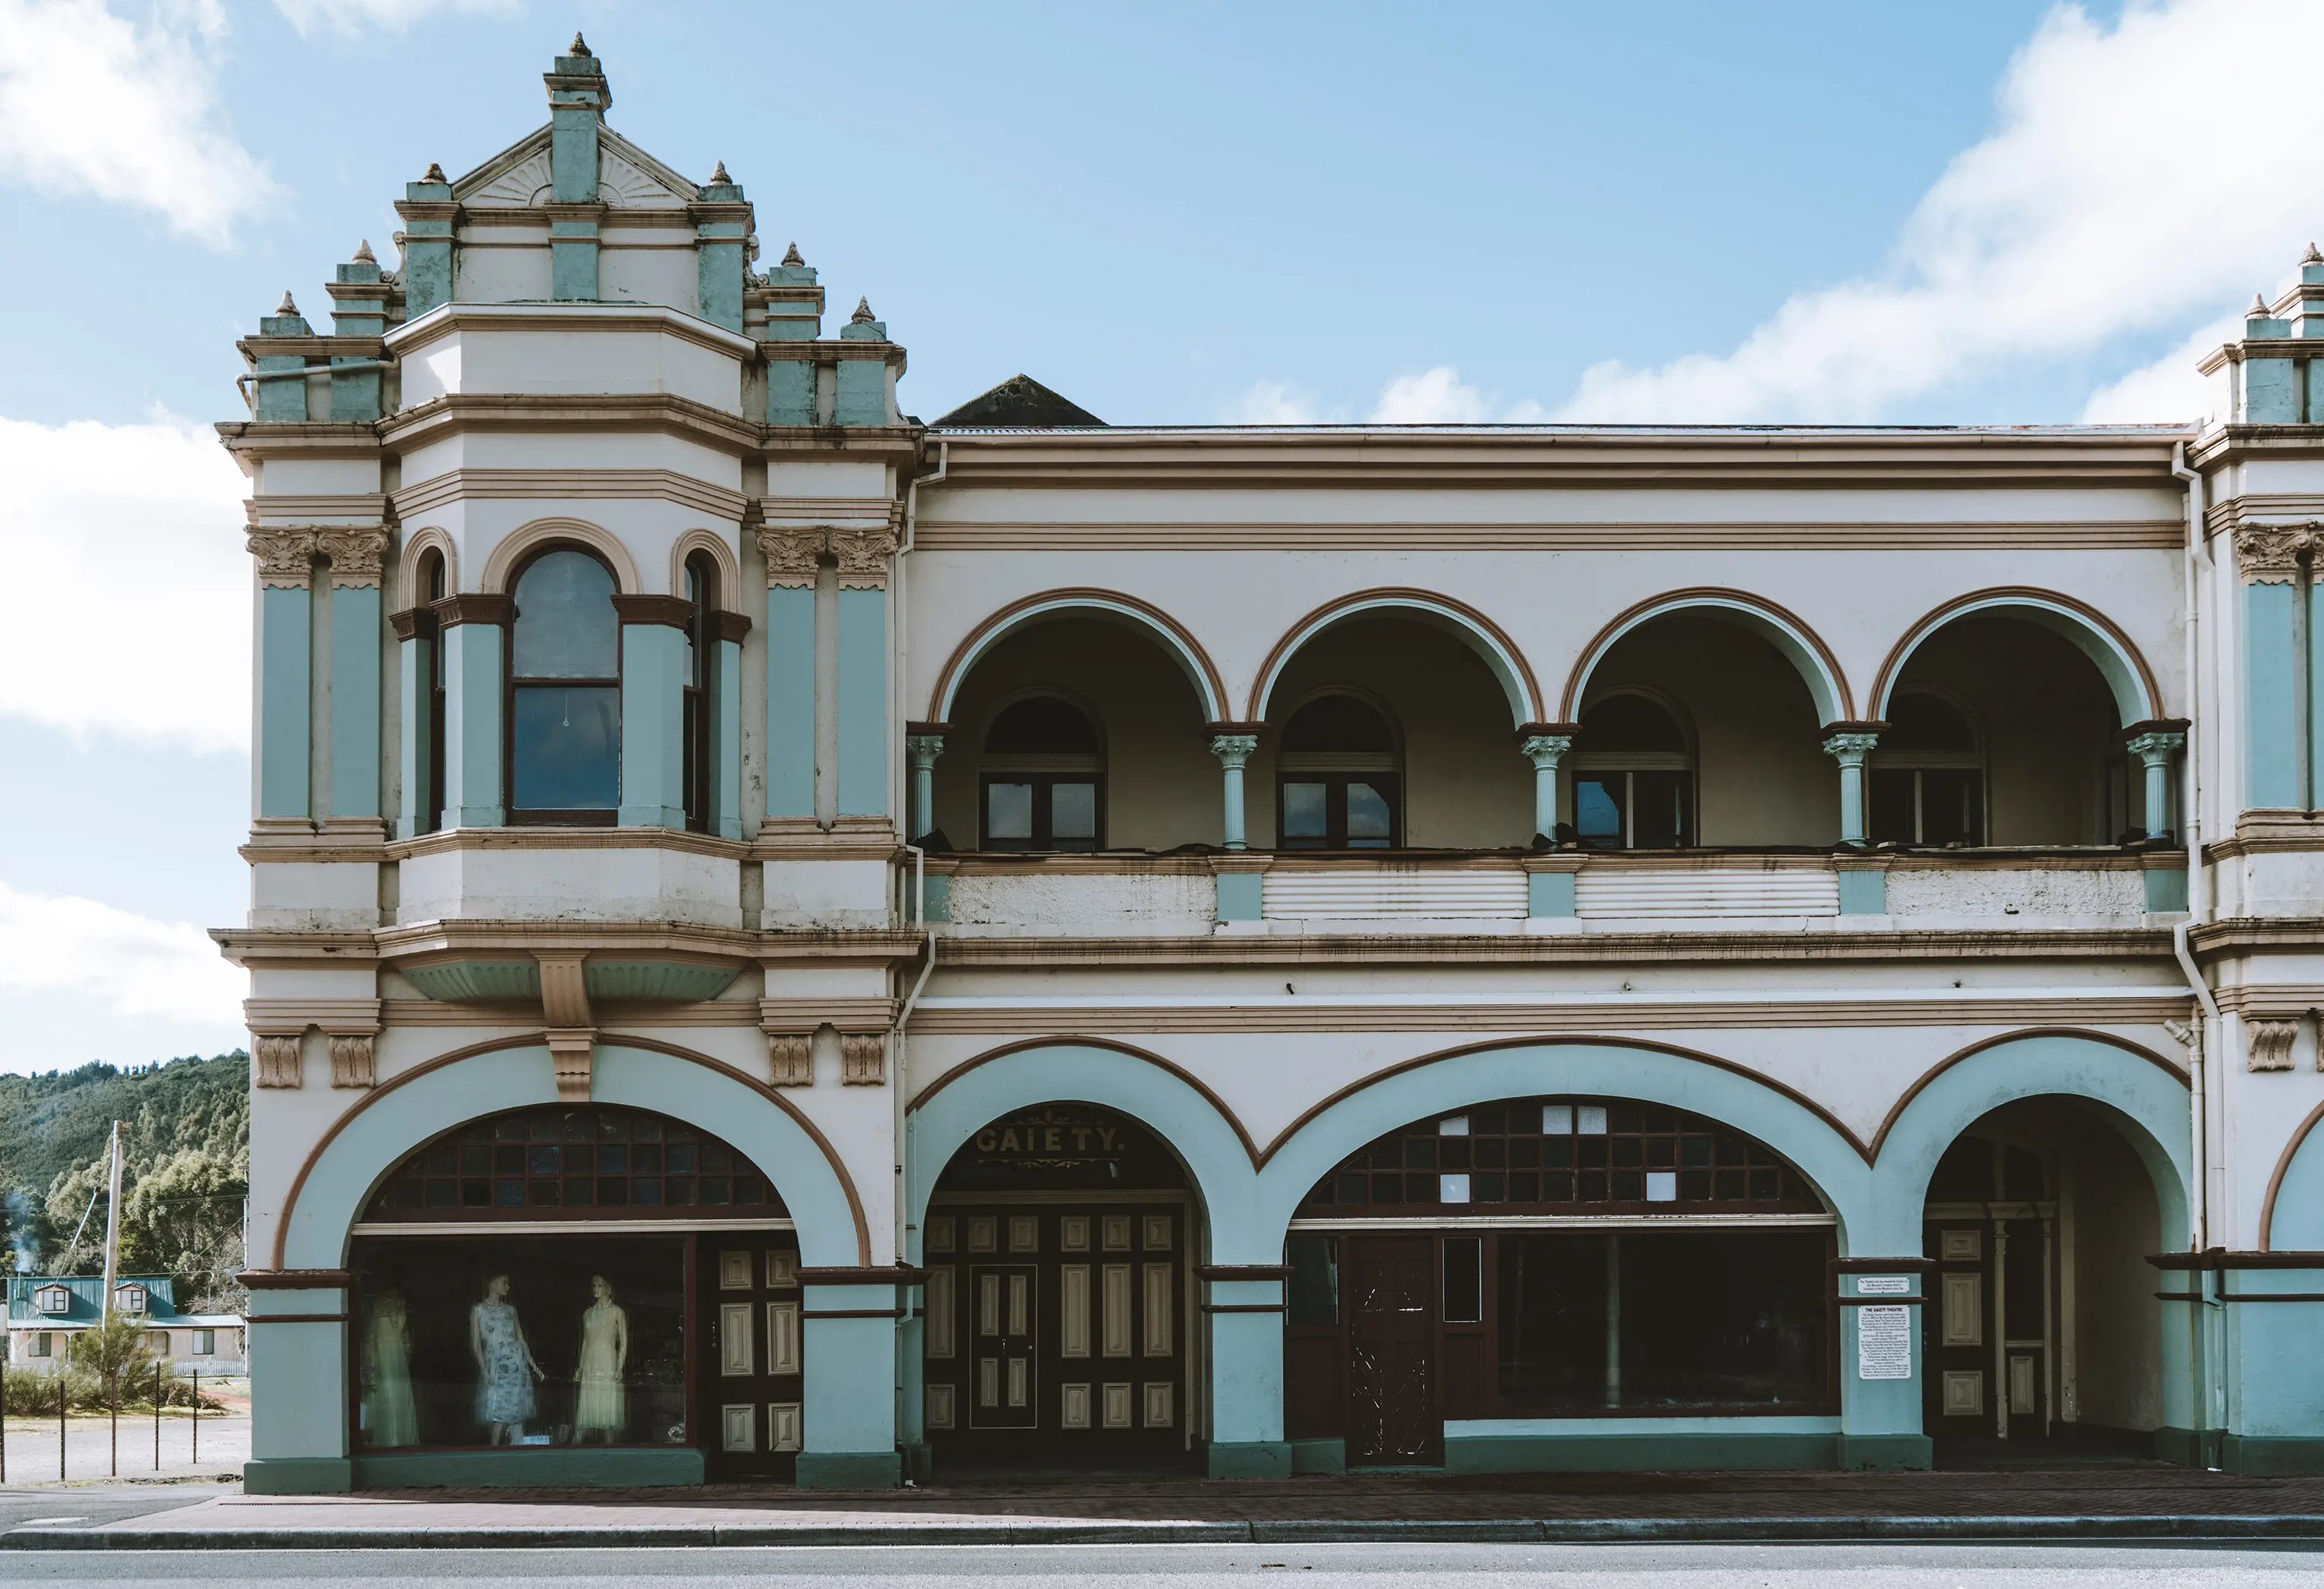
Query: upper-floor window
x=1927 y=775
x=565 y=692
x=52 y=1300
x=702 y=596
x=431 y=586
x=1633 y=777
x=1338 y=778
x=1044 y=782
x=129 y=1298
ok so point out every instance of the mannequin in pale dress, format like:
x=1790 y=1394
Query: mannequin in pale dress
x=604 y=1354
x=389 y=1418
x=505 y=1369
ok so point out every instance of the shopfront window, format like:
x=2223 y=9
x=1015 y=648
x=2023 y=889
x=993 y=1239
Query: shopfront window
x=552 y=1277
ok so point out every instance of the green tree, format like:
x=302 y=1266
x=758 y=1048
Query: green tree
x=116 y=1355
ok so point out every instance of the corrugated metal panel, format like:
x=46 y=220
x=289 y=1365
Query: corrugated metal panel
x=1649 y=893
x=1414 y=892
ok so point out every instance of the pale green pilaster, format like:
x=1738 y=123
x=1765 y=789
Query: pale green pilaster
x=722 y=222
x=280 y=393
x=2271 y=698
x=476 y=631
x=1545 y=745
x=861 y=397
x=793 y=310
x=285 y=671
x=862 y=699
x=415 y=632
x=1247 y=1380
x=653 y=716
x=850 y=1410
x=791 y=695
x=726 y=728
x=358 y=309
x=578 y=97
x=1880 y=1368
x=355 y=698
x=298 y=1367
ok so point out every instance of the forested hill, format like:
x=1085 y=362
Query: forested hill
x=188 y=1167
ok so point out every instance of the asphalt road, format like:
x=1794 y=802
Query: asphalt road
x=1206 y=1567
x=94 y=1504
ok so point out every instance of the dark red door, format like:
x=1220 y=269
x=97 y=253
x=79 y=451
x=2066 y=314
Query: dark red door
x=1393 y=1413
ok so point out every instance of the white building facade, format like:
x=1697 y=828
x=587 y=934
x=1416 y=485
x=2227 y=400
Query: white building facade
x=791 y=942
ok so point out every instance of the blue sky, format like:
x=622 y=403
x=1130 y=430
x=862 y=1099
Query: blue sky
x=1975 y=212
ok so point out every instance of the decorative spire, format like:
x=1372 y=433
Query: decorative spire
x=286 y=307
x=434 y=173
x=2311 y=256
x=362 y=252
x=2259 y=307
x=580 y=44
x=791 y=256
x=718 y=177
x=862 y=315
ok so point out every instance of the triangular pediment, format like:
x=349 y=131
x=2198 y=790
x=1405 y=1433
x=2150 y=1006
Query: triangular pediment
x=628 y=177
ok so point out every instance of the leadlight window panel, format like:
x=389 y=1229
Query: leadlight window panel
x=594 y=1161
x=1565 y=1155
x=564 y=705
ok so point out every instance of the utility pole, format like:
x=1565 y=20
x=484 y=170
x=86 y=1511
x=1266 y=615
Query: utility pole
x=112 y=1226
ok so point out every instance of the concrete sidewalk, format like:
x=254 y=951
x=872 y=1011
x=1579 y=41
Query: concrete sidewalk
x=2090 y=1503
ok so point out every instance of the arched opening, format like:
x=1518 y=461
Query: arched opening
x=1926 y=778
x=1725 y=729
x=1043 y=778
x=565 y=691
x=1061 y=1331
x=2017 y=733
x=1568 y=1257
x=2043 y=1329
x=578 y=1275
x=1078 y=732
x=1339 y=783
x=700 y=752
x=1633 y=776
x=1389 y=720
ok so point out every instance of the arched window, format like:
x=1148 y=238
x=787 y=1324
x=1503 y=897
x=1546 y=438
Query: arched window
x=565 y=692
x=1927 y=775
x=1044 y=783
x=1633 y=777
x=1338 y=782
x=430 y=815
x=701 y=758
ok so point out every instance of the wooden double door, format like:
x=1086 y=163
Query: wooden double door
x=1057 y=1330
x=749 y=1383
x=1991 y=1345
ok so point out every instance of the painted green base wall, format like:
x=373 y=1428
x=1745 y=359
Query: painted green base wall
x=850 y=1470
x=1319 y=1457
x=298 y=1475
x=1624 y=1454
x=1250 y=1459
x=1885 y=1454
x=2188 y=1447
x=577 y=1466
x=919 y=1461
x=2264 y=1454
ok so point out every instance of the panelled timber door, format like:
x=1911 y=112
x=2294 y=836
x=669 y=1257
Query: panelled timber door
x=1394 y=1418
x=750 y=1387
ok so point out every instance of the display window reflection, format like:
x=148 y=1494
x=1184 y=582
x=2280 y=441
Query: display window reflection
x=521 y=1341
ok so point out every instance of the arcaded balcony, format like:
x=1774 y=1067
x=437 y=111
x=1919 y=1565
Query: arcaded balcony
x=1386 y=783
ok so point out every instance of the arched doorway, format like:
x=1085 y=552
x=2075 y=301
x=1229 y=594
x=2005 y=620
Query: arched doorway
x=1060 y=1332
x=1555 y=1257
x=2041 y=1328
x=585 y=1275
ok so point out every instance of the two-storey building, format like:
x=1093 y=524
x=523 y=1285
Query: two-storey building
x=788 y=940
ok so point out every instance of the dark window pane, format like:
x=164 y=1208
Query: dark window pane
x=1008 y=812
x=475 y=1159
x=680 y=1188
x=1315 y=1290
x=1891 y=818
x=542 y=1159
x=580 y=1160
x=1662 y=1152
x=577 y=1192
x=612 y=1192
x=1592 y=1186
x=645 y=1191
x=1952 y=807
x=1658 y=810
x=681 y=1156
x=646 y=1158
x=1628 y=1152
x=1304 y=817
x=612 y=1161
x=1629 y=1186
x=1557 y=1186
x=544 y=1193
x=1597 y=811
x=1351 y=1189
x=443 y=1194
x=1420 y=1152
x=476 y=1193
x=565 y=624
x=1489 y=1186
x=566 y=743
x=1368 y=818
x=717 y=1157
x=1452 y=1153
x=1524 y=1187
x=1695 y=1153
x=508 y=1193
x=1464 y=1280
x=508 y=1160
x=715 y=1192
x=1488 y=1152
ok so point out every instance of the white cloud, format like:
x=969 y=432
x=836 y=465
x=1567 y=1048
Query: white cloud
x=1275 y=403
x=348 y=18
x=93 y=104
x=1433 y=397
x=2137 y=176
x=2172 y=388
x=126 y=542
x=134 y=966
